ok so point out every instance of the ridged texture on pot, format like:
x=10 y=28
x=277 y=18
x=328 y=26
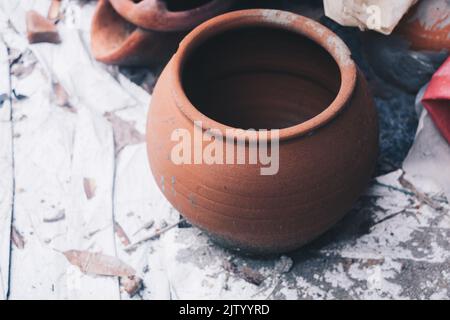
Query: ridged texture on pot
x=321 y=174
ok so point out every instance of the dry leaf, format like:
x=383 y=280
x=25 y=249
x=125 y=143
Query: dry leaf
x=422 y=197
x=99 y=264
x=61 y=215
x=60 y=95
x=89 y=187
x=246 y=273
x=251 y=276
x=121 y=234
x=17 y=239
x=124 y=132
x=40 y=29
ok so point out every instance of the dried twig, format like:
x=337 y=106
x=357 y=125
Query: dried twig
x=422 y=197
x=153 y=236
x=146 y=226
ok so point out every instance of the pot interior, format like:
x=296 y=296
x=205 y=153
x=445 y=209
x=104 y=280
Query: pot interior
x=260 y=78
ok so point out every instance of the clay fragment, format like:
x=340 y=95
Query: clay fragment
x=54 y=10
x=40 y=29
x=378 y=15
x=427 y=26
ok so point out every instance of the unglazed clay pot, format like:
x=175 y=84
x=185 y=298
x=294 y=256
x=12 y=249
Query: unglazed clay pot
x=146 y=33
x=263 y=69
x=169 y=15
x=427 y=26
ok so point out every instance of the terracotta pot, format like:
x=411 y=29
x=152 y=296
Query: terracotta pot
x=427 y=26
x=135 y=35
x=169 y=15
x=275 y=70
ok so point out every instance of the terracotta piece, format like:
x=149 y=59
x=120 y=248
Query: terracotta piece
x=169 y=15
x=40 y=29
x=378 y=15
x=53 y=10
x=274 y=70
x=427 y=26
x=145 y=33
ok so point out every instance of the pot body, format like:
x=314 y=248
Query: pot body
x=263 y=69
x=320 y=177
x=427 y=26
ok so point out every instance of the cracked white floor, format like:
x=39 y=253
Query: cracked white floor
x=393 y=245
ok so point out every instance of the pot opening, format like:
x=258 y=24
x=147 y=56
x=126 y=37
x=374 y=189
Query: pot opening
x=260 y=78
x=177 y=5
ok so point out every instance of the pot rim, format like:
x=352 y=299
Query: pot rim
x=154 y=14
x=301 y=25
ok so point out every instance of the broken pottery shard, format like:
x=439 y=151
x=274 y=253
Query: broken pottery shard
x=53 y=11
x=89 y=187
x=40 y=29
x=379 y=15
x=99 y=264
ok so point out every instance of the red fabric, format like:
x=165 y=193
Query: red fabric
x=437 y=99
